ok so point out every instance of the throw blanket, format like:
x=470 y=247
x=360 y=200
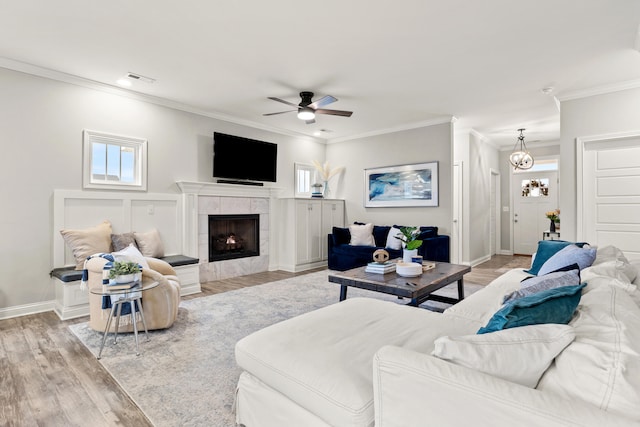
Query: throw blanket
x=107 y=301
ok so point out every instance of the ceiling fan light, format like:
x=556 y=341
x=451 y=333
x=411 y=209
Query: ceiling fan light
x=306 y=114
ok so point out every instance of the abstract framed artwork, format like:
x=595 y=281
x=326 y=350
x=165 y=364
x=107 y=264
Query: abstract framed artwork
x=402 y=186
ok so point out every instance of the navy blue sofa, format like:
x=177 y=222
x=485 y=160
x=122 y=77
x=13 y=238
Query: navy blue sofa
x=343 y=256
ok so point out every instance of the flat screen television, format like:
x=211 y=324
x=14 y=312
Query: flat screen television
x=240 y=158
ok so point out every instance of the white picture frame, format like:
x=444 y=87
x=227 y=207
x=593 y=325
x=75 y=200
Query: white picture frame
x=402 y=185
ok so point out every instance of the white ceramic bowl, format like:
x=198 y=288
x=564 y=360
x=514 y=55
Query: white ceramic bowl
x=408 y=269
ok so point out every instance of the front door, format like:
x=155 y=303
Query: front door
x=534 y=194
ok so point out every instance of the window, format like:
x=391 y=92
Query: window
x=304 y=179
x=114 y=162
x=535 y=187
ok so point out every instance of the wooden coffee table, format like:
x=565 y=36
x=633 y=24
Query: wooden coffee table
x=419 y=289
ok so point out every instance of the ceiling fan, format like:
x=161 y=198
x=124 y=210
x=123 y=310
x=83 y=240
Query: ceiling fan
x=307 y=109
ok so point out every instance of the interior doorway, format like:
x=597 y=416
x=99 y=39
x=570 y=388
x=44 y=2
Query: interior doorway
x=494 y=213
x=456 y=232
x=533 y=194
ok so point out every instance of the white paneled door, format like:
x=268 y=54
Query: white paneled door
x=534 y=194
x=609 y=192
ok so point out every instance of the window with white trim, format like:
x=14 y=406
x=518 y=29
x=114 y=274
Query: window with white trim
x=114 y=162
x=304 y=176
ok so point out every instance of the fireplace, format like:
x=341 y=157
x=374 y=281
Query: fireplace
x=233 y=236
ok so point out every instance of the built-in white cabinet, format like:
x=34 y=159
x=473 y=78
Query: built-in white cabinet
x=303 y=228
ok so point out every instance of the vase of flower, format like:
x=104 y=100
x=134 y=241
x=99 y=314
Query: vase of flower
x=326 y=173
x=325 y=190
x=553 y=216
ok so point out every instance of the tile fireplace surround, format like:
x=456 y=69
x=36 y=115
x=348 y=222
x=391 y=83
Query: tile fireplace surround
x=201 y=199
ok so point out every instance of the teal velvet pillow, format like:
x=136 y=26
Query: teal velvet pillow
x=547 y=249
x=555 y=305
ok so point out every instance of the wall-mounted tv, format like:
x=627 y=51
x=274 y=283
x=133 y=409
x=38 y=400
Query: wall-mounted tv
x=240 y=158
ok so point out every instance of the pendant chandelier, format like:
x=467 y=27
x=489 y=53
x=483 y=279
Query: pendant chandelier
x=521 y=158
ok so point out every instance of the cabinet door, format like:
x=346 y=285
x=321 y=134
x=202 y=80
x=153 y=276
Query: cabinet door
x=308 y=230
x=332 y=216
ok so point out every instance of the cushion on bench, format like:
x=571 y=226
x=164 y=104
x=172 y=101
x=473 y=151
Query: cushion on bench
x=70 y=274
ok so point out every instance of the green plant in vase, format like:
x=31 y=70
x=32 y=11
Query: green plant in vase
x=409 y=235
x=124 y=271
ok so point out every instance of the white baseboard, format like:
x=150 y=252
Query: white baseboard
x=505 y=252
x=26 y=309
x=302 y=267
x=480 y=260
x=190 y=288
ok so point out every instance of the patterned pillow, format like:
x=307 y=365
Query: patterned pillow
x=552 y=280
x=568 y=255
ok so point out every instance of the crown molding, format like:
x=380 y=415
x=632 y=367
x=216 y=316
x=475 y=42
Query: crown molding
x=415 y=125
x=599 y=90
x=48 y=73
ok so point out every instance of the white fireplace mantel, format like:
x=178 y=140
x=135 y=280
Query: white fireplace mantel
x=192 y=190
x=227 y=190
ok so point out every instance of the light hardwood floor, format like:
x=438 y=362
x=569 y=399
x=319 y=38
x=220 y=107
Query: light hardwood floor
x=48 y=378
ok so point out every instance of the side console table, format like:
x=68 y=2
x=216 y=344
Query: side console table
x=132 y=296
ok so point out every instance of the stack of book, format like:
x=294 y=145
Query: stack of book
x=380 y=268
x=119 y=286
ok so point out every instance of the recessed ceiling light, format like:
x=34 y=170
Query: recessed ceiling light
x=124 y=82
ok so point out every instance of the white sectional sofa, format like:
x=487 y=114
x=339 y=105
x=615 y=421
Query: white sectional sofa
x=364 y=361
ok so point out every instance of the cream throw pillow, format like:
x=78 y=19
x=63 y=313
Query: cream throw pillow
x=362 y=235
x=131 y=253
x=392 y=242
x=88 y=241
x=150 y=243
x=520 y=355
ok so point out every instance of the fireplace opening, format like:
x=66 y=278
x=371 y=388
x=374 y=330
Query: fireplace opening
x=233 y=236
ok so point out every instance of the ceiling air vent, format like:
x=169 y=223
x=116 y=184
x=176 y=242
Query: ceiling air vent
x=138 y=77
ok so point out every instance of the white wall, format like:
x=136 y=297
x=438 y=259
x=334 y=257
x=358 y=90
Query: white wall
x=432 y=143
x=478 y=159
x=483 y=157
x=41 y=123
x=595 y=115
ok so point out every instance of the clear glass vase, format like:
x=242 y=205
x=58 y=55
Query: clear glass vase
x=325 y=191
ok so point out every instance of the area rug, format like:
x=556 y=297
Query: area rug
x=186 y=375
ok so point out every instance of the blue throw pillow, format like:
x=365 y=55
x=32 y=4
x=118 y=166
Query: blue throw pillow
x=571 y=254
x=380 y=233
x=546 y=249
x=555 y=305
x=341 y=236
x=427 y=232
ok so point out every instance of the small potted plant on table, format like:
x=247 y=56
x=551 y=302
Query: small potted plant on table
x=124 y=271
x=409 y=235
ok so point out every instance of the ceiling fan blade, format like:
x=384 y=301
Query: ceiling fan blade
x=325 y=100
x=279 y=112
x=310 y=122
x=283 y=101
x=335 y=112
